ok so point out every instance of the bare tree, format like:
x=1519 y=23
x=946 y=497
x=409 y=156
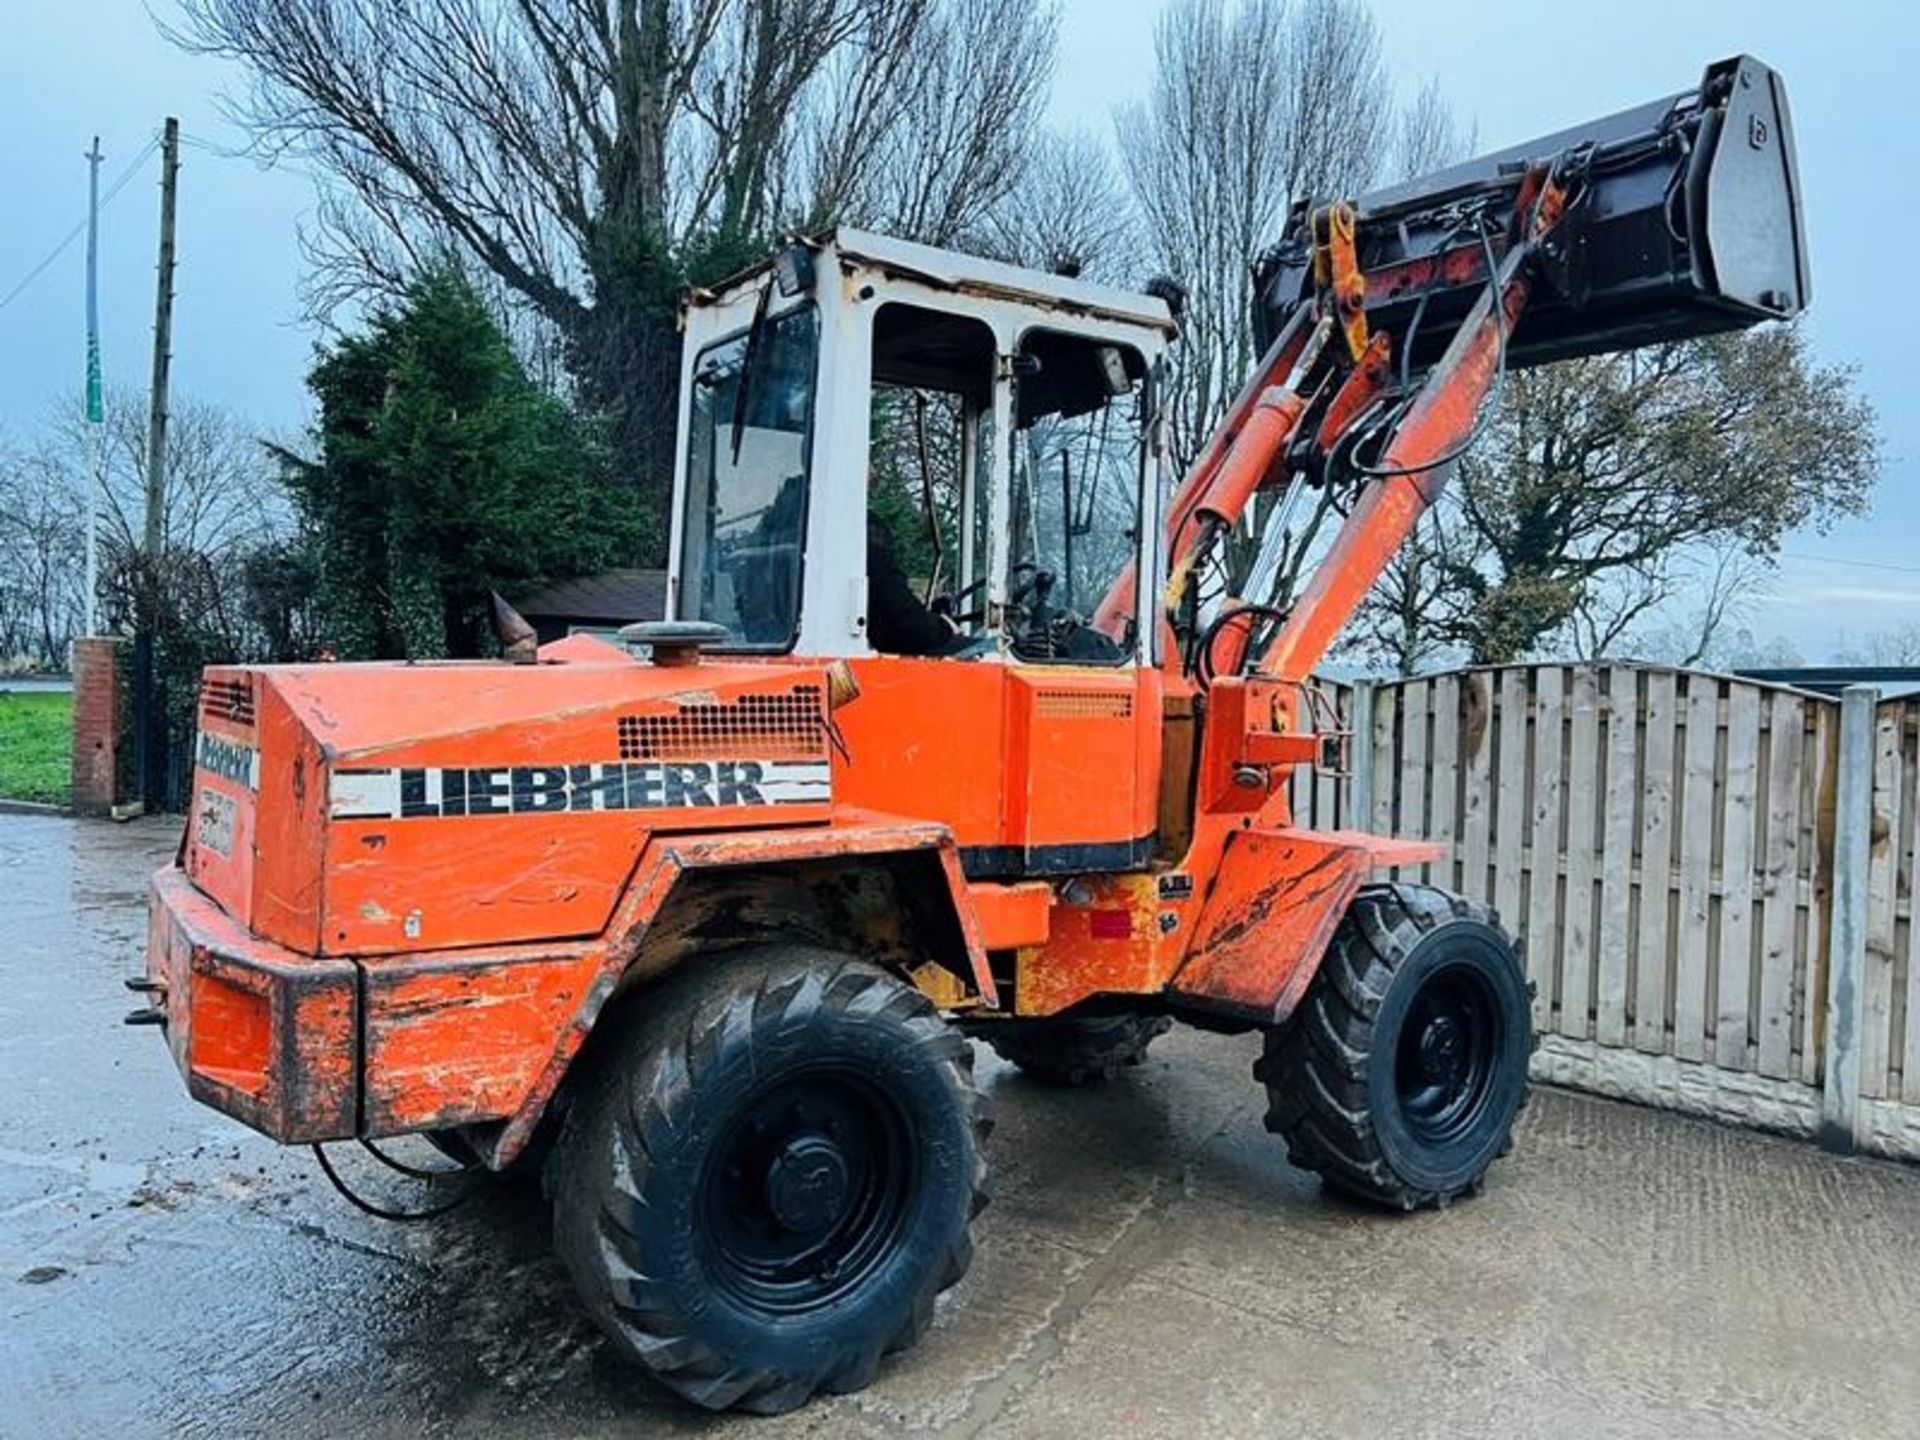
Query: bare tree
x=1744 y=650
x=1070 y=213
x=593 y=157
x=1251 y=109
x=964 y=104
x=42 y=545
x=222 y=494
x=223 y=502
x=1429 y=135
x=1682 y=608
x=1899 y=645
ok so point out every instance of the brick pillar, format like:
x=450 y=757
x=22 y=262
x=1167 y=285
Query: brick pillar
x=100 y=778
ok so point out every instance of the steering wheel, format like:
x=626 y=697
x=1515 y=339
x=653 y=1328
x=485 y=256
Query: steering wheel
x=948 y=601
x=1032 y=620
x=1017 y=593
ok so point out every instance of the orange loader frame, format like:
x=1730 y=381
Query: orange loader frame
x=353 y=1005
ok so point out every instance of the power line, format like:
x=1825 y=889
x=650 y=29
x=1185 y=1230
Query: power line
x=274 y=162
x=80 y=226
x=1850 y=564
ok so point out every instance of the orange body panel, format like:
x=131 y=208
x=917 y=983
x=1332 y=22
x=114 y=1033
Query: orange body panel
x=1023 y=757
x=1104 y=941
x=261 y=1032
x=1082 y=762
x=896 y=761
x=1277 y=896
x=450 y=1043
x=467 y=807
x=1011 y=916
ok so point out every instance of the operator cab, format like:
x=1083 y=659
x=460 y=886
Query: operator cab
x=888 y=449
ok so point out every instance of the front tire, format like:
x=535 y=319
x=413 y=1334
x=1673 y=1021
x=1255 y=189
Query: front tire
x=768 y=1174
x=1399 y=1077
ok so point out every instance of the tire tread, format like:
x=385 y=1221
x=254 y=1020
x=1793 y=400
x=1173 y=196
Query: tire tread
x=1316 y=1067
x=640 y=1083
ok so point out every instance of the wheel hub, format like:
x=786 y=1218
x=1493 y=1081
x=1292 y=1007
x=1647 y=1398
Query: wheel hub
x=1442 y=1049
x=807 y=1185
x=1446 y=1062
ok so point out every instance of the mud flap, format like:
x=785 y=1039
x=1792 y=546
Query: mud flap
x=1273 y=907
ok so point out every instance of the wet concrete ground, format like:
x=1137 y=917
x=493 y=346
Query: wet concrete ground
x=1150 y=1266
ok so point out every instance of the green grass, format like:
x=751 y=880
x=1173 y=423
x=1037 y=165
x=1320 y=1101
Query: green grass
x=36 y=747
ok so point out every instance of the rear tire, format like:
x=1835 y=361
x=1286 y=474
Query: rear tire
x=767 y=1174
x=1078 y=1051
x=1399 y=1077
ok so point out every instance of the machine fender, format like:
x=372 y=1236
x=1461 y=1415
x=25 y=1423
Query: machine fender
x=1272 y=909
x=640 y=947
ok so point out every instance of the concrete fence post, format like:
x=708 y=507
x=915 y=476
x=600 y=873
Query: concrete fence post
x=1847 y=940
x=1359 y=814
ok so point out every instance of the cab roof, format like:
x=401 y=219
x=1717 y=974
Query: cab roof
x=970 y=274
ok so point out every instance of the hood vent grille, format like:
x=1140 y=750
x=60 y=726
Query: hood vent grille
x=229 y=700
x=1084 y=704
x=754 y=727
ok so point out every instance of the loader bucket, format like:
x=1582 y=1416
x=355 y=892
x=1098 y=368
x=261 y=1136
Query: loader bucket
x=1689 y=224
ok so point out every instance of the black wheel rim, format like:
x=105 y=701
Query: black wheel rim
x=1447 y=1053
x=808 y=1190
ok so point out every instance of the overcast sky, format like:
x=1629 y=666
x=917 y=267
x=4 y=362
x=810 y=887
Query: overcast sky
x=1518 y=68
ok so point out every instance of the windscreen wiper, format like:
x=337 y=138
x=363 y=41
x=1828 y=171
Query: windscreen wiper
x=748 y=368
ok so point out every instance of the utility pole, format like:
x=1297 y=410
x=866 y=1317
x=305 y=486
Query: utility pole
x=162 y=345
x=96 y=435
x=148 y=707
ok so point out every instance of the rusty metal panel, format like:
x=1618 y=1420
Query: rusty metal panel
x=1275 y=901
x=1103 y=940
x=453 y=1040
x=261 y=1033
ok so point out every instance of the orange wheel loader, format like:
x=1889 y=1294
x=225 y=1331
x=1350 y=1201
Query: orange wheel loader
x=698 y=920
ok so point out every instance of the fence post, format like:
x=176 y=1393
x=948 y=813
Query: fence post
x=1847 y=947
x=1360 y=783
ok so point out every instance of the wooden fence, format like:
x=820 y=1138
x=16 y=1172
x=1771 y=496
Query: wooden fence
x=1666 y=845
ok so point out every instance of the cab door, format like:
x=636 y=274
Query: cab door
x=1005 y=471
x=1083 y=710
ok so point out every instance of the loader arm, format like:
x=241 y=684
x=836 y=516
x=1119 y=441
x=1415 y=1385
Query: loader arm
x=1387 y=322
x=1416 y=464
x=1323 y=377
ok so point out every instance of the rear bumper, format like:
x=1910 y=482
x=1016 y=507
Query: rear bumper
x=262 y=1033
x=304 y=1047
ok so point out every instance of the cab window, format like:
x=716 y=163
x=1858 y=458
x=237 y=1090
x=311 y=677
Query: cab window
x=747 y=465
x=930 y=428
x=1078 y=453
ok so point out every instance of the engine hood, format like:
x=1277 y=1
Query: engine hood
x=367 y=809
